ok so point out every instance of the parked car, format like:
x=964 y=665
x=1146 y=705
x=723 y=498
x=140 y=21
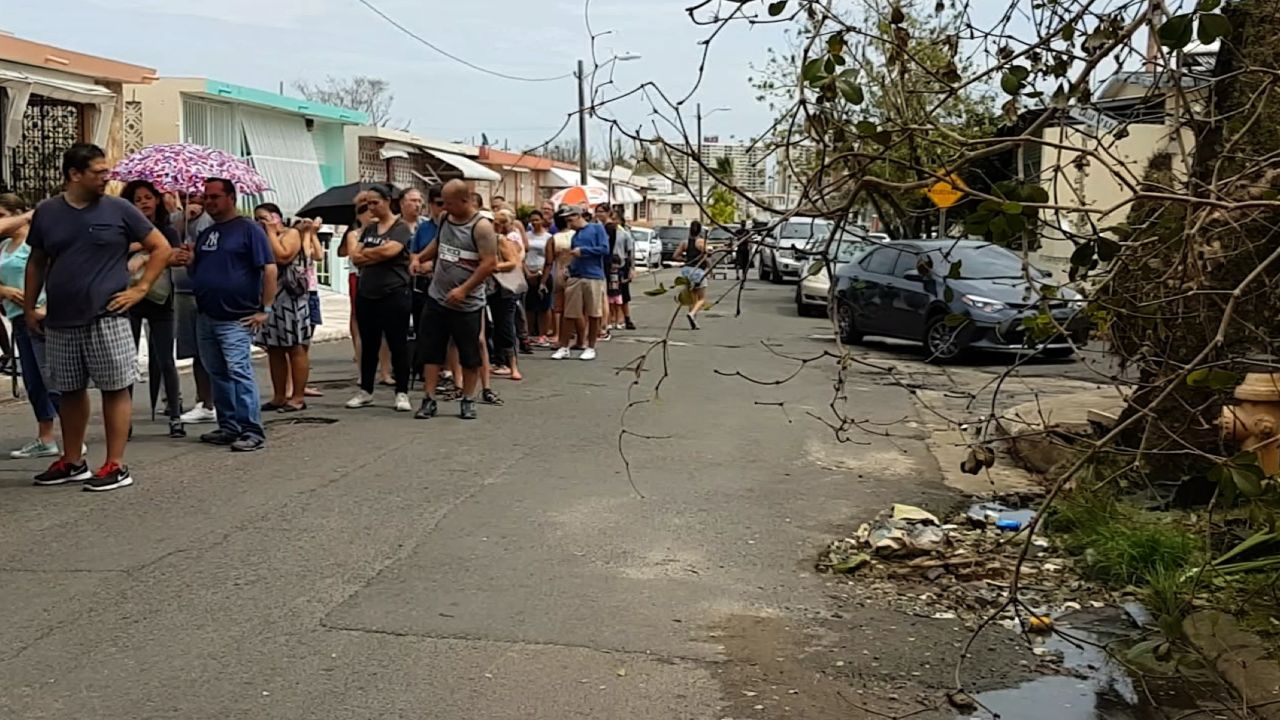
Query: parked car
x=719 y=239
x=670 y=237
x=953 y=295
x=813 y=293
x=780 y=257
x=648 y=251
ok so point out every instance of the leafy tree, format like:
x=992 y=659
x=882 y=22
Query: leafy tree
x=722 y=207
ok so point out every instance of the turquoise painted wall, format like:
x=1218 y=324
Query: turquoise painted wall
x=331 y=152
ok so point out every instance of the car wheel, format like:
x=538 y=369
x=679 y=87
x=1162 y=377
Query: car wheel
x=775 y=276
x=941 y=341
x=763 y=275
x=846 y=325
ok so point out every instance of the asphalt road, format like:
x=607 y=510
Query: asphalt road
x=372 y=566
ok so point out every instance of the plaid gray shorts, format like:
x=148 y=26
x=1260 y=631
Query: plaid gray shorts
x=102 y=353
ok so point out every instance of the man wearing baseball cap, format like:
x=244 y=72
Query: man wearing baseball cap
x=584 y=291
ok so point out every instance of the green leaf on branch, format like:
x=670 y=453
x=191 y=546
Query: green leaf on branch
x=1083 y=255
x=1069 y=34
x=835 y=44
x=812 y=71
x=1021 y=72
x=948 y=295
x=777 y=8
x=1012 y=208
x=682 y=280
x=1212 y=27
x=1035 y=194
x=655 y=292
x=955 y=320
x=977 y=223
x=1175 y=33
x=1108 y=249
x=956 y=271
x=1010 y=84
x=1213 y=379
x=851 y=92
x=866 y=127
x=685 y=297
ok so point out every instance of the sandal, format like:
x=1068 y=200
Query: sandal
x=502 y=371
x=312 y=392
x=271 y=407
x=291 y=408
x=489 y=397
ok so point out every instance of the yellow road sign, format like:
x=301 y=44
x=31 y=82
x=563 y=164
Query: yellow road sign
x=945 y=194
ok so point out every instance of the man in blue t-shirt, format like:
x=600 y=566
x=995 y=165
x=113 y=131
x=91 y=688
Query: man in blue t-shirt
x=233 y=276
x=79 y=243
x=584 y=292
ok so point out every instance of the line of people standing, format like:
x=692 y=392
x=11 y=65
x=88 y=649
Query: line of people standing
x=84 y=272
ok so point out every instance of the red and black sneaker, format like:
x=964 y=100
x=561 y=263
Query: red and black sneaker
x=62 y=472
x=111 y=476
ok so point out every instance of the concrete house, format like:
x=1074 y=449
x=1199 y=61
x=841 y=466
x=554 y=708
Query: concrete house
x=298 y=145
x=51 y=98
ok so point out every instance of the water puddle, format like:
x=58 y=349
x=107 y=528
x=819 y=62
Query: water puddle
x=1095 y=686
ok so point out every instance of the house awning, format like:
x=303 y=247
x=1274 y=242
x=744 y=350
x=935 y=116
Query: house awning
x=470 y=169
x=23 y=84
x=626 y=196
x=561 y=178
x=280 y=148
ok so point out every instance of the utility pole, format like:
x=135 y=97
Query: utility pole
x=582 y=125
x=701 y=174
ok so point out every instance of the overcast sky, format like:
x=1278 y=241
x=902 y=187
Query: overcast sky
x=261 y=43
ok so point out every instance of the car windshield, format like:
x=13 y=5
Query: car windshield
x=719 y=234
x=983 y=262
x=641 y=234
x=803 y=231
x=845 y=250
x=673 y=233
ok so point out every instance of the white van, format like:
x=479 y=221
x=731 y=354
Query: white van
x=779 y=258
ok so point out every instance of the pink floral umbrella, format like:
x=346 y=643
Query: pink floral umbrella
x=184 y=167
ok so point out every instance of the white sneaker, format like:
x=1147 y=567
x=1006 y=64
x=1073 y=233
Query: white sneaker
x=402 y=402
x=562 y=354
x=362 y=399
x=588 y=354
x=199 y=415
x=36 y=449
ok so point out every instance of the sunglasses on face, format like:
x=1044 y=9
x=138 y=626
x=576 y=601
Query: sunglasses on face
x=362 y=209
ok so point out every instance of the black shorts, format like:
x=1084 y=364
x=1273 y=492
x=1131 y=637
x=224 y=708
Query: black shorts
x=626 y=292
x=439 y=324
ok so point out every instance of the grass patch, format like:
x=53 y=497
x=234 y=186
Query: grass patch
x=1121 y=545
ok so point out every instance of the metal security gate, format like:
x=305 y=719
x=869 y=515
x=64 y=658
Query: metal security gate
x=49 y=127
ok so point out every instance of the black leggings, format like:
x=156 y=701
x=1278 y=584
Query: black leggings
x=505 y=308
x=161 y=338
x=384 y=317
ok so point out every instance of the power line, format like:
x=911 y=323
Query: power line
x=453 y=57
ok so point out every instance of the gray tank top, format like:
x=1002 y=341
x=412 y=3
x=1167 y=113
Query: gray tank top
x=457 y=259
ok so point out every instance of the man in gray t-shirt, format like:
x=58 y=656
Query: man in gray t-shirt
x=465 y=253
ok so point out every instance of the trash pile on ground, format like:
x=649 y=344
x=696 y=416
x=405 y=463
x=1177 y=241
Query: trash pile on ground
x=962 y=568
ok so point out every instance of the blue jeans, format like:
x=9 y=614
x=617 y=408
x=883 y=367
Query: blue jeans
x=31 y=353
x=225 y=347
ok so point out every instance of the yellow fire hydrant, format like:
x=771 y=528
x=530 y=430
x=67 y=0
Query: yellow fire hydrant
x=1255 y=422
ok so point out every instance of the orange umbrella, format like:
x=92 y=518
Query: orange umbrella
x=581 y=195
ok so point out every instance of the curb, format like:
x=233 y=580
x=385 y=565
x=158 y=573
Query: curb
x=1240 y=658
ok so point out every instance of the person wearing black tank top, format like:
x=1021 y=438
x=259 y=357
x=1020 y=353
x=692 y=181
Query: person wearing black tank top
x=693 y=253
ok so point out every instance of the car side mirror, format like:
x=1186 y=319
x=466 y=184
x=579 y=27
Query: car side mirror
x=913 y=277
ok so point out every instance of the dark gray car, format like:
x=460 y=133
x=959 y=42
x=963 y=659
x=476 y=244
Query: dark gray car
x=953 y=295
